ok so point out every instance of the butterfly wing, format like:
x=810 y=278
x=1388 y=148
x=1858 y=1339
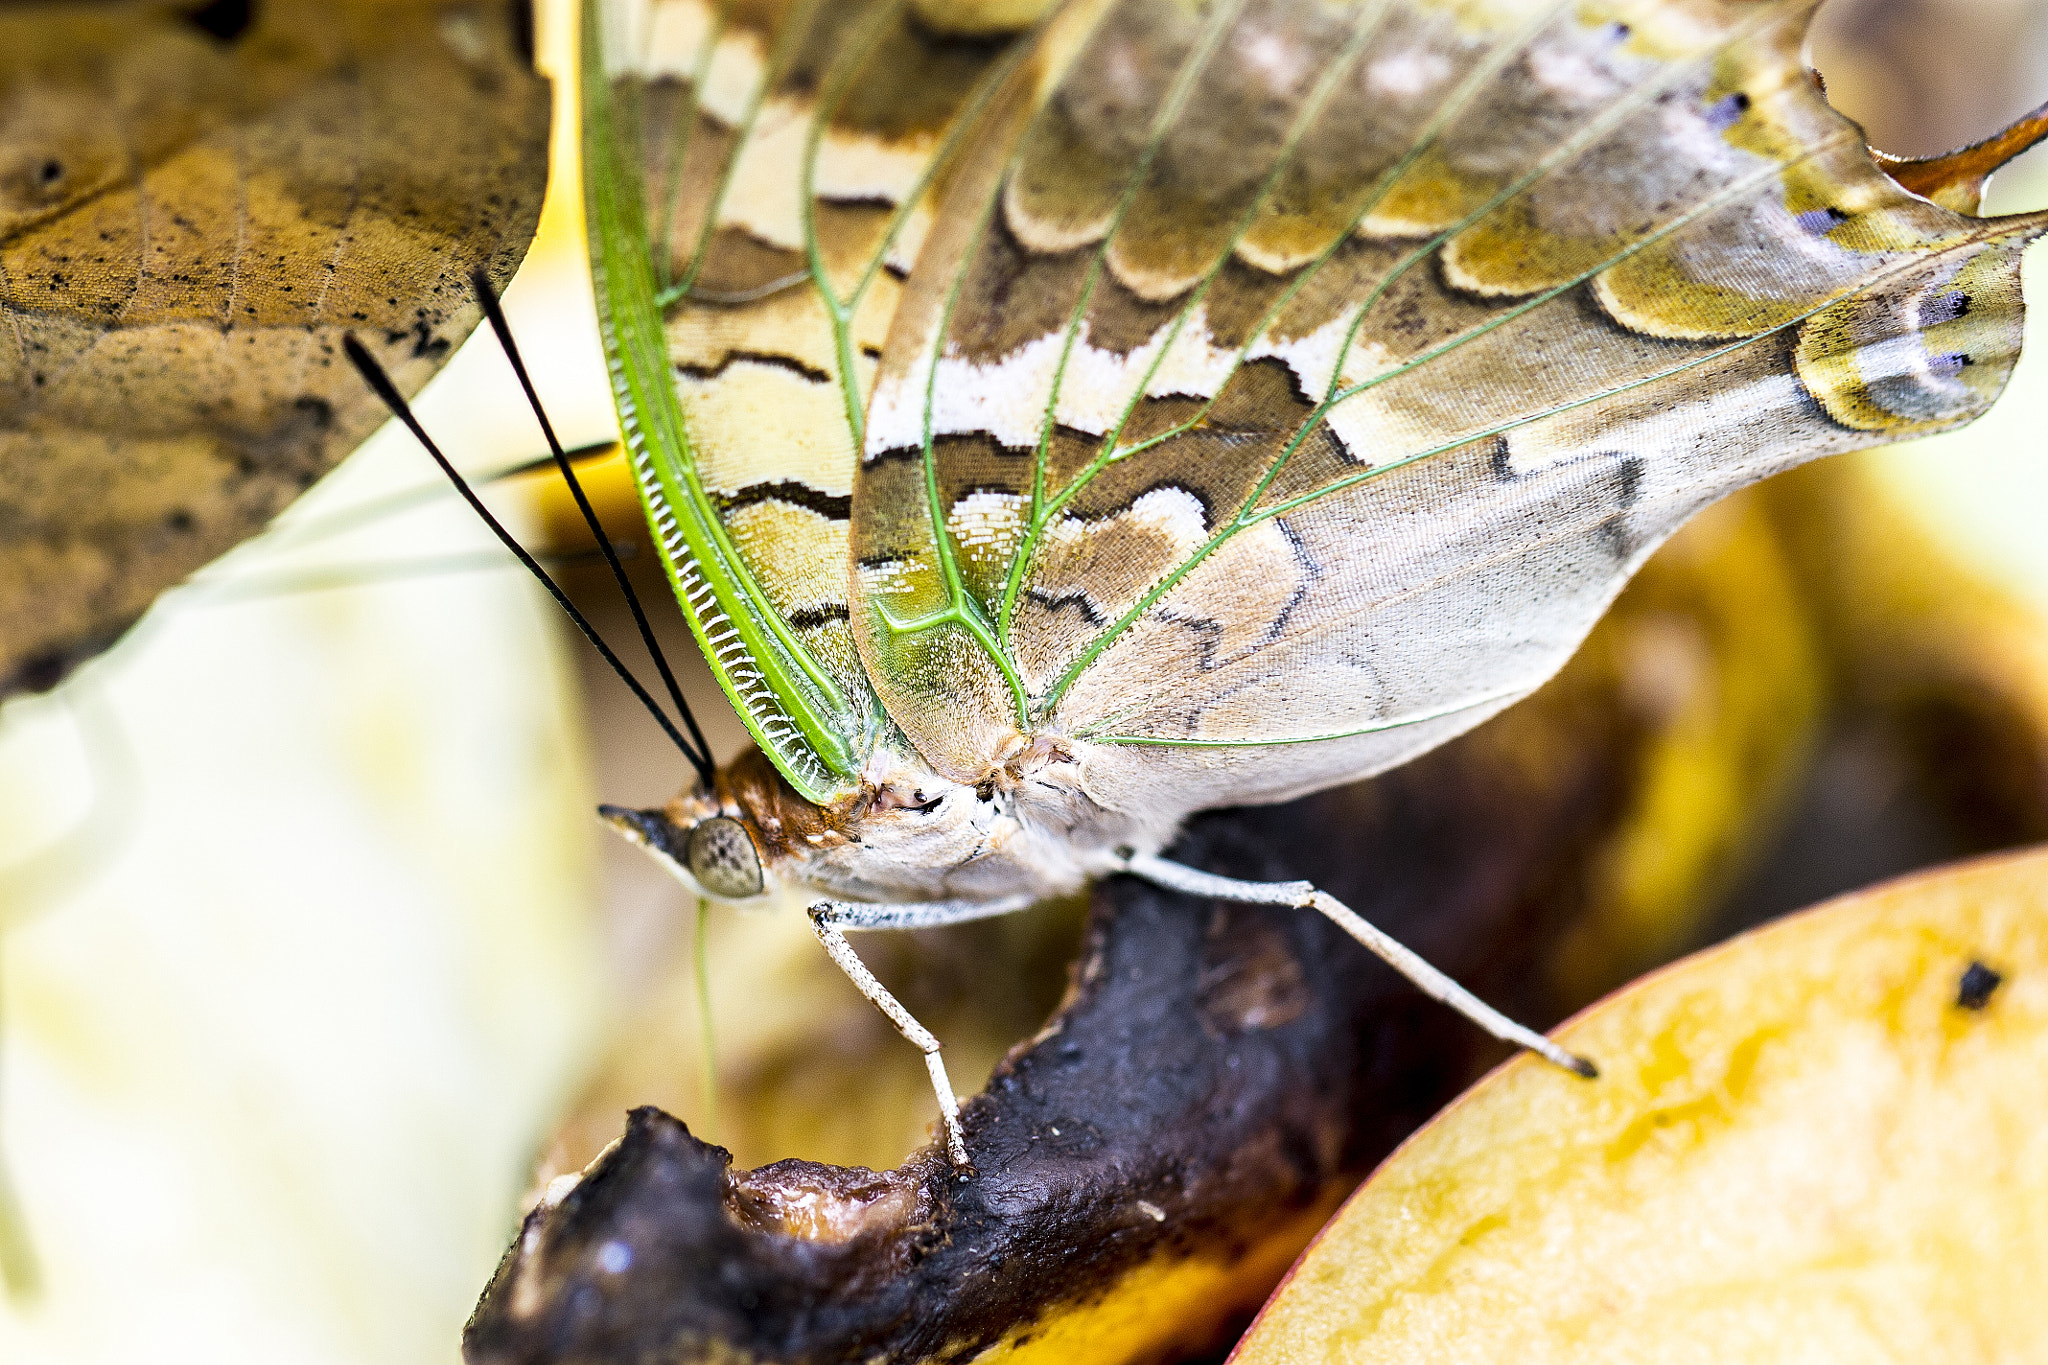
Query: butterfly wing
x=758 y=180
x=196 y=205
x=1295 y=383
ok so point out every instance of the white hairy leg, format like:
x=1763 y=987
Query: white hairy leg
x=830 y=918
x=1303 y=895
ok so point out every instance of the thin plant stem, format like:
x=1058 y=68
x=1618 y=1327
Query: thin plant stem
x=707 y=1052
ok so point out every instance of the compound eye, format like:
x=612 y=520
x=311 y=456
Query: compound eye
x=722 y=859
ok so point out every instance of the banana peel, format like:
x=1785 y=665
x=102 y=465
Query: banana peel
x=1819 y=1141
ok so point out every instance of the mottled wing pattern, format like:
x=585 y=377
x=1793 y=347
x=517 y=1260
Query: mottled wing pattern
x=781 y=161
x=196 y=203
x=1294 y=382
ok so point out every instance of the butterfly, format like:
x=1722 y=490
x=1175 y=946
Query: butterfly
x=1058 y=420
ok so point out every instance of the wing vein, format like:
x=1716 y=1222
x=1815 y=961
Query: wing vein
x=671 y=193
x=1169 y=112
x=771 y=71
x=1247 y=517
x=1311 y=109
x=1476 y=81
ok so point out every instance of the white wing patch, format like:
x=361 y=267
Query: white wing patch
x=1007 y=398
x=985 y=527
x=676 y=34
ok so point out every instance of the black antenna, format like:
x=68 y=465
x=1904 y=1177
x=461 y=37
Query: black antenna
x=380 y=384
x=488 y=297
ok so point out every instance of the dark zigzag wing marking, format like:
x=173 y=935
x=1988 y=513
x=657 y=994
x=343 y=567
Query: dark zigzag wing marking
x=792 y=491
x=768 y=358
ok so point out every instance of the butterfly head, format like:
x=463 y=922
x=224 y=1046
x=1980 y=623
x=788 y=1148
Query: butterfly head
x=906 y=833
x=731 y=841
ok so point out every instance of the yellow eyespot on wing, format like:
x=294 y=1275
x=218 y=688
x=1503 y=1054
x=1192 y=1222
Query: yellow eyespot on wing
x=1930 y=348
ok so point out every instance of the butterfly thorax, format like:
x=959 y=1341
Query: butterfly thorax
x=908 y=833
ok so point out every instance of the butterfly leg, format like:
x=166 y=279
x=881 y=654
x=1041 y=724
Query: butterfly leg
x=829 y=920
x=1303 y=895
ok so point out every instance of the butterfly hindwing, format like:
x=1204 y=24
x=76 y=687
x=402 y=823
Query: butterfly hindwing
x=197 y=204
x=1290 y=385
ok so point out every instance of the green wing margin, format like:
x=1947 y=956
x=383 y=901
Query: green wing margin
x=757 y=182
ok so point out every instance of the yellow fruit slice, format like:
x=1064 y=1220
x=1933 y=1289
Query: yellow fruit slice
x=1824 y=1141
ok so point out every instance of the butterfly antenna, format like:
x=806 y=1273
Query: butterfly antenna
x=380 y=384
x=488 y=297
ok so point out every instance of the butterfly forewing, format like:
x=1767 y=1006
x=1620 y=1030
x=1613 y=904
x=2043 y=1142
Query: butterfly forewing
x=1290 y=384
x=785 y=159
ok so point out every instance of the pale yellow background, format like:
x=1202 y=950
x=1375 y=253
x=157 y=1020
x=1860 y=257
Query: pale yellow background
x=294 y=984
